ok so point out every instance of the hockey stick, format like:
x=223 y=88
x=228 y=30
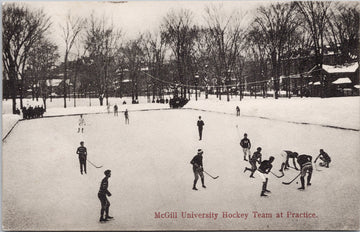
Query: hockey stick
x=211 y=175
x=94 y=164
x=277 y=175
x=293 y=168
x=287 y=183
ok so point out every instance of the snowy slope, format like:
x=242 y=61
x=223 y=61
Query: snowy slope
x=338 y=112
x=149 y=159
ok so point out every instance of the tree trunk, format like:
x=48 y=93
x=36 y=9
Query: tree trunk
x=65 y=77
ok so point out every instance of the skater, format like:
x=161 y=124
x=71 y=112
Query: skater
x=305 y=167
x=198 y=168
x=82 y=152
x=286 y=155
x=263 y=170
x=126 y=113
x=81 y=124
x=103 y=192
x=200 y=124
x=255 y=158
x=324 y=157
x=237 y=111
x=116 y=110
x=246 y=145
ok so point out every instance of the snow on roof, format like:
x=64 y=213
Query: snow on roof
x=341 y=68
x=125 y=80
x=317 y=83
x=357 y=86
x=344 y=80
x=291 y=76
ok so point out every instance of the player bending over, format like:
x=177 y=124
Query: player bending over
x=305 y=167
x=324 y=157
x=255 y=158
x=286 y=155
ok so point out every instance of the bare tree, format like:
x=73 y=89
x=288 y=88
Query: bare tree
x=179 y=33
x=102 y=43
x=225 y=34
x=315 y=15
x=71 y=30
x=42 y=59
x=343 y=23
x=154 y=48
x=277 y=23
x=21 y=28
x=134 y=58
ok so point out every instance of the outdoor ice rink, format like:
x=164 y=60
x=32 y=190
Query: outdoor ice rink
x=149 y=159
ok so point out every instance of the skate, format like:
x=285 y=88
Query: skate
x=103 y=219
x=203 y=186
x=263 y=194
x=267 y=191
x=194 y=188
x=109 y=217
x=301 y=188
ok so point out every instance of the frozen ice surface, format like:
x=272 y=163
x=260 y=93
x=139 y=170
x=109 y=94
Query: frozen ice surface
x=149 y=159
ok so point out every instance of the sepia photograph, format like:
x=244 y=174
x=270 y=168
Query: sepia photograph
x=180 y=115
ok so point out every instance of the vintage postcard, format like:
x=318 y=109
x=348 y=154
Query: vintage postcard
x=180 y=115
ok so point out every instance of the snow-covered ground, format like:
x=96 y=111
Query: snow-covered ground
x=149 y=159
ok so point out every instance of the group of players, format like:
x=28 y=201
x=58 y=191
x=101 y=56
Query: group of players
x=103 y=191
x=304 y=161
x=265 y=166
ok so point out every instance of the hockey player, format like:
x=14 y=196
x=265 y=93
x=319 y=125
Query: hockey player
x=82 y=152
x=255 y=158
x=103 y=192
x=198 y=168
x=305 y=167
x=263 y=170
x=81 y=124
x=126 y=114
x=116 y=110
x=200 y=124
x=324 y=157
x=246 y=145
x=237 y=111
x=286 y=155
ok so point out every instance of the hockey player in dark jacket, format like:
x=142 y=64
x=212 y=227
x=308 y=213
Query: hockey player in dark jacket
x=305 y=167
x=263 y=170
x=198 y=168
x=103 y=192
x=246 y=145
x=324 y=157
x=82 y=152
x=200 y=124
